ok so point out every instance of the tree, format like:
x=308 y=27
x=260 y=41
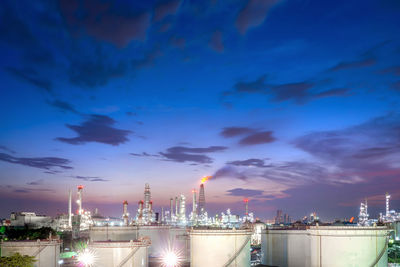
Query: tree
x=17 y=260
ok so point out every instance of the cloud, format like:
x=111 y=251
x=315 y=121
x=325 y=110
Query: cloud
x=163 y=9
x=113 y=23
x=148 y=59
x=241 y=192
x=256 y=86
x=190 y=154
x=236 y=131
x=46 y=163
x=37 y=182
x=258 y=138
x=144 y=154
x=391 y=70
x=178 y=42
x=253 y=14
x=97 y=128
x=396 y=86
x=353 y=64
x=249 y=163
x=62 y=105
x=230 y=172
x=30 y=76
x=90 y=178
x=4 y=148
x=92 y=71
x=299 y=92
x=216 y=42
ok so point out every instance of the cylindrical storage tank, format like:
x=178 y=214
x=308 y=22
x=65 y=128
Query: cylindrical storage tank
x=285 y=248
x=328 y=246
x=120 y=253
x=220 y=248
x=333 y=246
x=113 y=233
x=46 y=252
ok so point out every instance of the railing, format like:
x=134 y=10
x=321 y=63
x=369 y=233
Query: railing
x=234 y=256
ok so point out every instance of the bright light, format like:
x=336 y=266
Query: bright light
x=60 y=262
x=205 y=178
x=170 y=260
x=87 y=258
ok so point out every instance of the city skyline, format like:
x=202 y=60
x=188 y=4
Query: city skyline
x=293 y=105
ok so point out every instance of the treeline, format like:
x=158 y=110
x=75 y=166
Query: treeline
x=28 y=234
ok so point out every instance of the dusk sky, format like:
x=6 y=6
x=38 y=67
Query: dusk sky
x=294 y=104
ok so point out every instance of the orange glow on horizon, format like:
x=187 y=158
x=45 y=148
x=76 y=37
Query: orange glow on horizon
x=205 y=178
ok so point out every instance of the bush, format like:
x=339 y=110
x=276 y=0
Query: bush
x=17 y=260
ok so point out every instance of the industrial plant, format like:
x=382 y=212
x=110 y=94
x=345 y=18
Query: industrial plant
x=182 y=235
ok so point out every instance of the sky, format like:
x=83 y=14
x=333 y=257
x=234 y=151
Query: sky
x=294 y=104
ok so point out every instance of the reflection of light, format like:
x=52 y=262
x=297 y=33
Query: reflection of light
x=60 y=262
x=171 y=258
x=86 y=257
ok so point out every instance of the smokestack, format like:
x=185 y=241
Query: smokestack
x=79 y=201
x=246 y=201
x=194 y=208
x=202 y=199
x=69 y=208
x=176 y=206
x=171 y=208
x=387 y=204
x=125 y=214
x=162 y=214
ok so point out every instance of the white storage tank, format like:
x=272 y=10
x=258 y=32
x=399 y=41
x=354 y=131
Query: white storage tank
x=328 y=246
x=220 y=248
x=120 y=253
x=113 y=233
x=46 y=252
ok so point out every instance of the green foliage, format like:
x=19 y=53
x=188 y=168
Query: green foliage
x=31 y=234
x=17 y=260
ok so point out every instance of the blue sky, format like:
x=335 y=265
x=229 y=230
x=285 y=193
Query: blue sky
x=294 y=104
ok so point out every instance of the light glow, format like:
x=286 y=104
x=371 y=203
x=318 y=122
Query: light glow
x=87 y=258
x=171 y=257
x=205 y=178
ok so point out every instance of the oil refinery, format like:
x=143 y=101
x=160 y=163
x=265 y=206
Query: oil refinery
x=181 y=235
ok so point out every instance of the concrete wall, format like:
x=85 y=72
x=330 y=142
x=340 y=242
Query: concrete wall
x=111 y=254
x=47 y=253
x=216 y=247
x=326 y=246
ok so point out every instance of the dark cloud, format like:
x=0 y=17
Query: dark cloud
x=37 y=182
x=191 y=154
x=30 y=76
x=253 y=14
x=391 y=70
x=179 y=42
x=62 y=105
x=117 y=24
x=15 y=32
x=90 y=71
x=396 y=86
x=148 y=59
x=236 y=131
x=90 y=178
x=97 y=128
x=257 y=86
x=299 y=92
x=163 y=9
x=144 y=154
x=354 y=64
x=46 y=163
x=216 y=42
x=249 y=163
x=4 y=148
x=241 y=192
x=231 y=172
x=258 y=138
